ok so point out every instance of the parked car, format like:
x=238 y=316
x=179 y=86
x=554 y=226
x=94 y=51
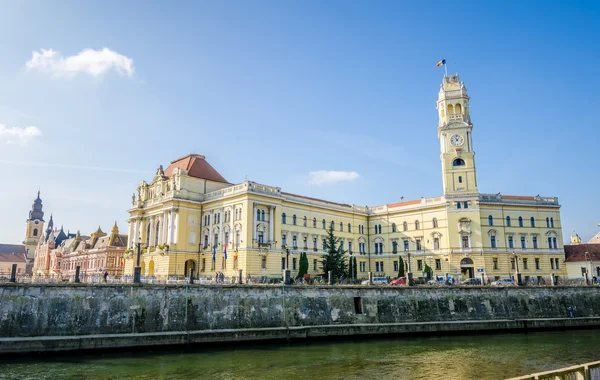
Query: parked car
x=377 y=281
x=472 y=281
x=401 y=281
x=504 y=282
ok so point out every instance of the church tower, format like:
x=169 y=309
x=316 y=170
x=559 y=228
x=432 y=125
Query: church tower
x=35 y=227
x=456 y=144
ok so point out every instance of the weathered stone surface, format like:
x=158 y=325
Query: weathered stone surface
x=75 y=310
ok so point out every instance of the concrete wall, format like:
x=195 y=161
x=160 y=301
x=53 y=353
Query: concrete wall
x=48 y=310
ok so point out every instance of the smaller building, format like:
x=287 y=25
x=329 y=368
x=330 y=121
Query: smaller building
x=582 y=260
x=12 y=254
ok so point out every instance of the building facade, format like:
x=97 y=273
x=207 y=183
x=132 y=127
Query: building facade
x=189 y=217
x=34 y=227
x=12 y=254
x=583 y=260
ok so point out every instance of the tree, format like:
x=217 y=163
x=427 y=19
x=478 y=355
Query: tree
x=428 y=272
x=334 y=260
x=302 y=265
x=400 y=267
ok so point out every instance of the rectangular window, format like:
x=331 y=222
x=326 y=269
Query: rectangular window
x=315 y=264
x=556 y=263
x=512 y=263
x=305 y=241
x=525 y=264
x=459 y=179
x=510 y=242
x=294 y=242
x=376 y=266
x=283 y=240
x=465 y=242
x=549 y=243
x=552 y=263
x=420 y=264
x=283 y=263
x=523 y=242
x=395 y=266
x=203 y=265
x=405 y=245
x=495 y=263
x=537 y=264
x=294 y=260
x=436 y=243
x=554 y=243
x=458 y=204
x=381 y=265
x=465 y=204
x=363 y=267
x=438 y=264
x=263 y=262
x=350 y=246
x=261 y=237
x=534 y=241
x=341 y=245
x=493 y=241
x=418 y=243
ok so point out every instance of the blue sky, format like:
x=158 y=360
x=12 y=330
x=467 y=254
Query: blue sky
x=271 y=91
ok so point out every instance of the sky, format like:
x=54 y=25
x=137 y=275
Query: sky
x=329 y=99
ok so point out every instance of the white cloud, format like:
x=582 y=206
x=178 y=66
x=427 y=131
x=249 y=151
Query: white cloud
x=16 y=135
x=88 y=61
x=324 y=177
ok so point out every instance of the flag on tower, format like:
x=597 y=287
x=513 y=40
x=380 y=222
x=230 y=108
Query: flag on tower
x=441 y=63
x=225 y=251
x=214 y=252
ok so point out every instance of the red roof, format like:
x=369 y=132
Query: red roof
x=575 y=253
x=406 y=203
x=518 y=197
x=196 y=166
x=12 y=258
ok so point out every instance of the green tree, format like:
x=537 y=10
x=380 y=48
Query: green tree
x=302 y=265
x=400 y=267
x=334 y=260
x=427 y=272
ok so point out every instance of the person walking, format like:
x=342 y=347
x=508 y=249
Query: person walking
x=105 y=275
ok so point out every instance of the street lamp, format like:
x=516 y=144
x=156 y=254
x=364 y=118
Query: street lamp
x=408 y=273
x=516 y=258
x=137 y=271
x=588 y=259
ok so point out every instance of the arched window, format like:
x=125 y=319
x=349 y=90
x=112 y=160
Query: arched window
x=404 y=226
x=283 y=218
x=532 y=221
x=458 y=162
x=314 y=222
x=520 y=221
x=305 y=221
x=35 y=232
x=490 y=220
x=434 y=222
x=341 y=227
x=332 y=225
x=294 y=219
x=349 y=227
x=458 y=109
x=552 y=222
x=547 y=222
x=324 y=224
x=393 y=227
x=450 y=109
x=417 y=225
x=508 y=221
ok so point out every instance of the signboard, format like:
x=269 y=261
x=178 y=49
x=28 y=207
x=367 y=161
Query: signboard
x=480 y=270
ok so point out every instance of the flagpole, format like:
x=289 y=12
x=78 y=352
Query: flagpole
x=445 y=69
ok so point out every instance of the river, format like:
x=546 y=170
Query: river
x=449 y=357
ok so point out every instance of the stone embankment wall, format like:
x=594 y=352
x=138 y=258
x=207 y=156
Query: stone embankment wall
x=174 y=315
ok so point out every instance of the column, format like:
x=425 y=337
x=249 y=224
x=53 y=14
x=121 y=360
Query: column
x=151 y=232
x=136 y=232
x=176 y=227
x=272 y=224
x=210 y=229
x=221 y=227
x=129 y=232
x=253 y=224
x=164 y=227
x=171 y=226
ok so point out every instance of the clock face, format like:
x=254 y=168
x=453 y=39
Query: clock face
x=457 y=140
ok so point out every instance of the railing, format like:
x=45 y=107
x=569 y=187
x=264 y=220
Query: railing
x=587 y=371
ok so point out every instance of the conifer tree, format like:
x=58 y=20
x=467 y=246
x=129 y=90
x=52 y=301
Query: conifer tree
x=334 y=260
x=303 y=265
x=400 y=267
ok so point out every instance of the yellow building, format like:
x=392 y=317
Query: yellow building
x=189 y=214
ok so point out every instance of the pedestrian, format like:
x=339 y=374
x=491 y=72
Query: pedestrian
x=217 y=277
x=594 y=280
x=222 y=278
x=105 y=276
x=571 y=312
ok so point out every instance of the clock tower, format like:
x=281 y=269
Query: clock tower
x=456 y=144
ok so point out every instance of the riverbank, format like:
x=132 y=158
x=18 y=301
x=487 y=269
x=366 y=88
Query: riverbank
x=47 y=318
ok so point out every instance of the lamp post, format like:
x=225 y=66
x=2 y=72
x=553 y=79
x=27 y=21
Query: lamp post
x=409 y=274
x=517 y=267
x=286 y=273
x=588 y=259
x=137 y=271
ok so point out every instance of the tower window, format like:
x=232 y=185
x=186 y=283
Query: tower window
x=458 y=162
x=459 y=179
x=35 y=232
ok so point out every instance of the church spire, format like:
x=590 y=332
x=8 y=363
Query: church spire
x=36 y=209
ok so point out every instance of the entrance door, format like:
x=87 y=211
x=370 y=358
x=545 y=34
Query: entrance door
x=467 y=268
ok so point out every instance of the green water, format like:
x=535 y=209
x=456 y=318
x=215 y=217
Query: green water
x=450 y=357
